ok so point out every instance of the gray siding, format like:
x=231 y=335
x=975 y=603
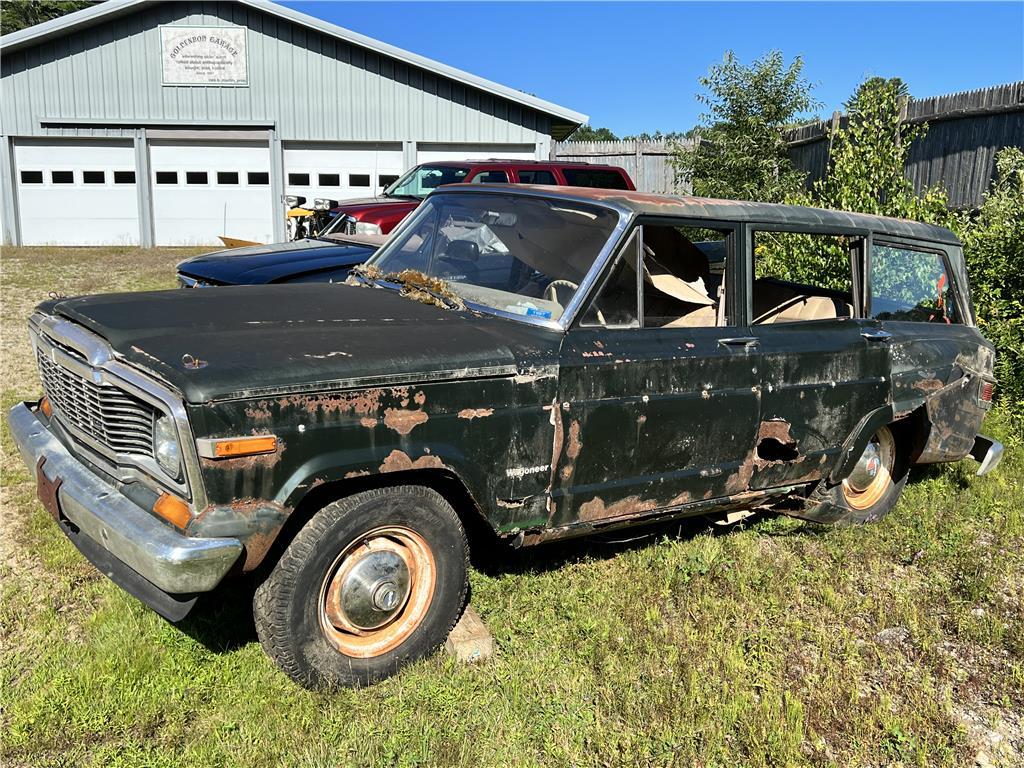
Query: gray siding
x=313 y=87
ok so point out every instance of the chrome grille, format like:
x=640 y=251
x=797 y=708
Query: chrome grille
x=107 y=414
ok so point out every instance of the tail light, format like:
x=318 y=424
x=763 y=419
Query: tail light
x=988 y=389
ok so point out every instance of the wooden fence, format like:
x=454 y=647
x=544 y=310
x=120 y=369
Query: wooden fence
x=965 y=130
x=647 y=162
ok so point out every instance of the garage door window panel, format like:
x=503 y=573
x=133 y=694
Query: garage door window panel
x=359 y=179
x=31 y=177
x=329 y=179
x=124 y=177
x=166 y=177
x=227 y=177
x=94 y=177
x=62 y=177
x=298 y=179
x=197 y=178
x=258 y=178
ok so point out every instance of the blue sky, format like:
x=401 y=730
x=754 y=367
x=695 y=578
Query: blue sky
x=634 y=66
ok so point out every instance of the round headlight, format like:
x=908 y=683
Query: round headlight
x=165 y=446
x=366 y=228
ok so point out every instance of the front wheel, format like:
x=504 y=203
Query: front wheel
x=370 y=583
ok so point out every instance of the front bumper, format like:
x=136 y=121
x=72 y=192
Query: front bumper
x=147 y=558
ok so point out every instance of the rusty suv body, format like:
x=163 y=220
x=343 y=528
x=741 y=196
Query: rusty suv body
x=591 y=393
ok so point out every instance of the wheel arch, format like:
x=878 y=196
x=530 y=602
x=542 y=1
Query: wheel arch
x=444 y=481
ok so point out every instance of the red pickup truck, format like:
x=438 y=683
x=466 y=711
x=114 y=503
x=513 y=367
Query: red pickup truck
x=379 y=215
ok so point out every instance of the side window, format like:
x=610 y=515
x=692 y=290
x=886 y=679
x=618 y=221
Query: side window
x=585 y=177
x=684 y=277
x=908 y=284
x=490 y=177
x=616 y=304
x=800 y=277
x=682 y=285
x=536 y=176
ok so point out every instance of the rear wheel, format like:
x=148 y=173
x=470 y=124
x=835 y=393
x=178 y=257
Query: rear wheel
x=876 y=481
x=372 y=582
x=871 y=489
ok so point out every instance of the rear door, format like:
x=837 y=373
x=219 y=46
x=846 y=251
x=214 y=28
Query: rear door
x=821 y=366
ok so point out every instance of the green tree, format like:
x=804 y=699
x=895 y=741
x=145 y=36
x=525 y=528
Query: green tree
x=866 y=174
x=741 y=152
x=994 y=251
x=18 y=14
x=868 y=157
x=586 y=132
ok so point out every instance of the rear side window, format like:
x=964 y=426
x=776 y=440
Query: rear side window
x=490 y=177
x=908 y=284
x=537 y=177
x=586 y=177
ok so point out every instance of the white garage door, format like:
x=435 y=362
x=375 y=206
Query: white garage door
x=201 y=191
x=77 y=192
x=340 y=171
x=432 y=153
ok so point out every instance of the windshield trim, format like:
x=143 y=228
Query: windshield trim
x=582 y=293
x=389 y=190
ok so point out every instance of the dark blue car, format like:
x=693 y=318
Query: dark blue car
x=314 y=260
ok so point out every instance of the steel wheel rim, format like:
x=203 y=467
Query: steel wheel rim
x=343 y=618
x=871 y=476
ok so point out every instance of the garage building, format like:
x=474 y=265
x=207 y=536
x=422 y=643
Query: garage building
x=139 y=122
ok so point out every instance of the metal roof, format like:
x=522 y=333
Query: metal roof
x=95 y=14
x=770 y=214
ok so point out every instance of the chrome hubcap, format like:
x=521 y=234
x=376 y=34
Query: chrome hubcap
x=371 y=589
x=867 y=467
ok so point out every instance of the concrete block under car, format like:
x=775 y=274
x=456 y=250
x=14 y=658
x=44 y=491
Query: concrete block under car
x=470 y=641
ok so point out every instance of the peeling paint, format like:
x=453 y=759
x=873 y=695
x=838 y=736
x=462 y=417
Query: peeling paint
x=398 y=461
x=475 y=413
x=404 y=421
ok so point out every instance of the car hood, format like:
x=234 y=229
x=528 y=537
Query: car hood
x=243 y=341
x=267 y=263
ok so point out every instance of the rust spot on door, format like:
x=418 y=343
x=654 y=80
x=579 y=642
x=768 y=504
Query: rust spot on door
x=404 y=421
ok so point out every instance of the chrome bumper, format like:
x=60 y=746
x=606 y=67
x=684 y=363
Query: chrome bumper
x=987 y=452
x=170 y=561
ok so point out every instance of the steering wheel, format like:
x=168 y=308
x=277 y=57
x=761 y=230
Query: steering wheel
x=551 y=292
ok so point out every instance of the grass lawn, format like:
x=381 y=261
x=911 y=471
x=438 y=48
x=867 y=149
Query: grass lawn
x=774 y=643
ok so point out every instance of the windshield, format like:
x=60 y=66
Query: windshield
x=419 y=181
x=512 y=253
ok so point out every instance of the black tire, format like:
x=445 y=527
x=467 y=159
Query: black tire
x=843 y=504
x=288 y=607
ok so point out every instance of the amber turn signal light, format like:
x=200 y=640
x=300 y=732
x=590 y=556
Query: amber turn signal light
x=45 y=407
x=228 y=447
x=173 y=510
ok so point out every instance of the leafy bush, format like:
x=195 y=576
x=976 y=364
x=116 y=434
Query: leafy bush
x=994 y=250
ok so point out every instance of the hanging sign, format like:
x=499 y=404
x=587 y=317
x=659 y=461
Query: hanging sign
x=204 y=56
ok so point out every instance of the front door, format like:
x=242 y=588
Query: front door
x=656 y=411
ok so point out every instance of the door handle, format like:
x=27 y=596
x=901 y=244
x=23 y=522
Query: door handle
x=876 y=334
x=739 y=341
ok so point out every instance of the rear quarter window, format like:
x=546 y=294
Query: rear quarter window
x=911 y=284
x=600 y=178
